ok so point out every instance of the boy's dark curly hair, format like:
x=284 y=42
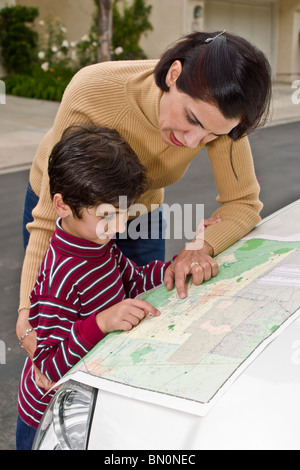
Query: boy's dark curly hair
x=95 y=165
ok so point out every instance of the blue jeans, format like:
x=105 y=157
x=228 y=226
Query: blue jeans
x=144 y=238
x=148 y=247
x=24 y=435
x=31 y=200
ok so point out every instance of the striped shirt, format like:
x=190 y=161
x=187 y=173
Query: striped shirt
x=77 y=279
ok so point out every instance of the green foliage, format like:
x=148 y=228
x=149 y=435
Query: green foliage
x=17 y=40
x=129 y=24
x=51 y=68
x=39 y=84
x=55 y=51
x=41 y=66
x=87 y=47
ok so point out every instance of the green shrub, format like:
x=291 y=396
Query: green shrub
x=51 y=70
x=17 y=40
x=129 y=24
x=41 y=67
x=44 y=85
x=55 y=51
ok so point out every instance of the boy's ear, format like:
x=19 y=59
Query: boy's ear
x=62 y=209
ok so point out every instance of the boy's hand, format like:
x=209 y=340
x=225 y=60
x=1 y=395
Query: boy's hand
x=41 y=380
x=124 y=315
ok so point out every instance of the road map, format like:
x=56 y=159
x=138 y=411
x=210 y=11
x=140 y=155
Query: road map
x=189 y=355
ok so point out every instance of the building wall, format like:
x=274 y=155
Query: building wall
x=256 y=20
x=7 y=3
x=170 y=20
x=273 y=25
x=166 y=19
x=76 y=15
x=288 y=68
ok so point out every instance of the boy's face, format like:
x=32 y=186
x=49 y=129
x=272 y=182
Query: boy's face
x=98 y=224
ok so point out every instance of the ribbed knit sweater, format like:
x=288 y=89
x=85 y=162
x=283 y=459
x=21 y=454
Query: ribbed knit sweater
x=77 y=279
x=123 y=95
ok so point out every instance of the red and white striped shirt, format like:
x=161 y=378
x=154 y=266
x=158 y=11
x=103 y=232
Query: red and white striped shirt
x=77 y=279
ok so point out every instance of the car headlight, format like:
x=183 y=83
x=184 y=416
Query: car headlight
x=66 y=422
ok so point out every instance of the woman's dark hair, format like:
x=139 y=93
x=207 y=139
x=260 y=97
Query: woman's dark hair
x=227 y=72
x=95 y=165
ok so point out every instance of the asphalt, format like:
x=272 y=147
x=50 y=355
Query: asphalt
x=23 y=123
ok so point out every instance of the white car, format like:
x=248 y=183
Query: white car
x=259 y=410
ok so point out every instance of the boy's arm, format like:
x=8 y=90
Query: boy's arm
x=62 y=338
x=138 y=279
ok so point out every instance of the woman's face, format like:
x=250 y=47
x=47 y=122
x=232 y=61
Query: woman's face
x=186 y=122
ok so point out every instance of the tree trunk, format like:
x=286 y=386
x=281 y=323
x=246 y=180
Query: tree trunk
x=104 y=30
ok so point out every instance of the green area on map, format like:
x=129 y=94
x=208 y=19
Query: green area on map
x=197 y=343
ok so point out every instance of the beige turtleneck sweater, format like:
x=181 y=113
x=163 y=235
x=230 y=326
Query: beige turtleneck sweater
x=123 y=95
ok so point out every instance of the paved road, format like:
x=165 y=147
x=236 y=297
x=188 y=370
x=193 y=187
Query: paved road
x=277 y=161
x=12 y=189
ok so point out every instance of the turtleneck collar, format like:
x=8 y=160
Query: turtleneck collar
x=70 y=245
x=144 y=95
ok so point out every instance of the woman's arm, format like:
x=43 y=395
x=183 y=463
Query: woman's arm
x=238 y=192
x=238 y=189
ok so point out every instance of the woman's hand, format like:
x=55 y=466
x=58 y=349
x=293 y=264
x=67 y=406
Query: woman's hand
x=124 y=315
x=196 y=259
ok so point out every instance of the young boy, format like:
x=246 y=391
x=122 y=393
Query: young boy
x=85 y=286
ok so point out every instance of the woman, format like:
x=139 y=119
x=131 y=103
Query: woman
x=207 y=90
